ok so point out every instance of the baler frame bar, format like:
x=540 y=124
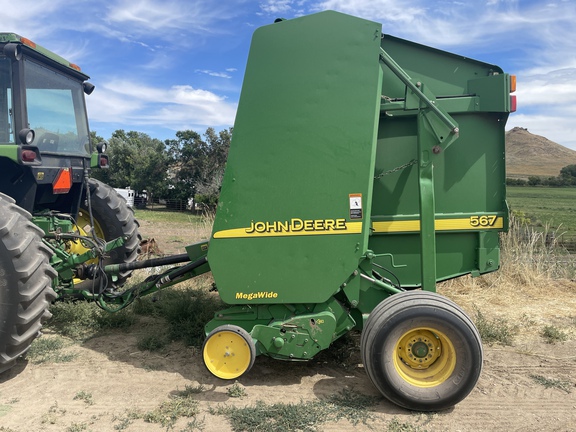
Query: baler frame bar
x=436 y=131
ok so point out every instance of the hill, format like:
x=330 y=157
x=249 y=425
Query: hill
x=533 y=155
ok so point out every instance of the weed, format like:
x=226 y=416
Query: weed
x=193 y=425
x=280 y=417
x=153 y=340
x=77 y=427
x=396 y=426
x=145 y=305
x=189 y=390
x=48 y=350
x=84 y=396
x=186 y=311
x=126 y=420
x=82 y=320
x=167 y=413
x=352 y=406
x=527 y=321
x=552 y=383
x=124 y=423
x=51 y=417
x=118 y=320
x=151 y=366
x=495 y=330
x=303 y=416
x=552 y=334
x=236 y=391
x=171 y=410
x=77 y=320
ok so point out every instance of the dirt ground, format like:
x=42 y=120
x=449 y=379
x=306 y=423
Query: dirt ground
x=119 y=377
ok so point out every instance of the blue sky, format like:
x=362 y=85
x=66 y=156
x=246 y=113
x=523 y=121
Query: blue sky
x=160 y=66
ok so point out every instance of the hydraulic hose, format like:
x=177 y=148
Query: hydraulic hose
x=154 y=262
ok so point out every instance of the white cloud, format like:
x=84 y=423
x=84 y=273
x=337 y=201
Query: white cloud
x=547 y=105
x=277 y=6
x=192 y=16
x=400 y=11
x=25 y=17
x=555 y=89
x=178 y=107
x=212 y=73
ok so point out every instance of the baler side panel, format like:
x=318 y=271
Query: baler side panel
x=304 y=141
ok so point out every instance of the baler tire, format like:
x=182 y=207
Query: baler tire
x=228 y=352
x=113 y=218
x=25 y=282
x=421 y=351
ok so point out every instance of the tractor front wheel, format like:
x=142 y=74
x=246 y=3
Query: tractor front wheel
x=421 y=351
x=25 y=282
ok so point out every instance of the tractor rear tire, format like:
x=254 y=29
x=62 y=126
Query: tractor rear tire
x=112 y=219
x=421 y=351
x=25 y=282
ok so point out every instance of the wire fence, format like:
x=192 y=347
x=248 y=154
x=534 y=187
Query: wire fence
x=178 y=205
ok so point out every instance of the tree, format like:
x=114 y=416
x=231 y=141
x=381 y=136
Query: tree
x=136 y=161
x=197 y=164
x=515 y=182
x=534 y=181
x=568 y=174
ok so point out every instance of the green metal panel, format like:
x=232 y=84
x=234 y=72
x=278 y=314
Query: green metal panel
x=287 y=229
x=469 y=175
x=444 y=73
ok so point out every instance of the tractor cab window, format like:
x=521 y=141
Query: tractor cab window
x=6 y=121
x=56 y=111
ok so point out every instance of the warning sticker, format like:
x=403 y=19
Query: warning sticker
x=355 y=206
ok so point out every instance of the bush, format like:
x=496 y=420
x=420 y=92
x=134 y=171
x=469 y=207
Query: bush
x=81 y=320
x=186 y=312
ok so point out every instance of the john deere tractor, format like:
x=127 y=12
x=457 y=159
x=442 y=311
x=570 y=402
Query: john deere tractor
x=58 y=227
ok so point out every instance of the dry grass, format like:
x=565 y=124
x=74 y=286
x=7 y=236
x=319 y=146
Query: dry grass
x=174 y=231
x=534 y=287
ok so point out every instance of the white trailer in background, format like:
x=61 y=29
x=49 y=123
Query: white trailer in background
x=128 y=195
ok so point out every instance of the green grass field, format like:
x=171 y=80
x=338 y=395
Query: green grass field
x=163 y=215
x=554 y=208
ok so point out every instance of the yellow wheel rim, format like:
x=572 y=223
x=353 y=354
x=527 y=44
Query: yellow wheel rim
x=83 y=228
x=227 y=354
x=424 y=357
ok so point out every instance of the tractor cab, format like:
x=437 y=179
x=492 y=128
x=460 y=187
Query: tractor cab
x=44 y=134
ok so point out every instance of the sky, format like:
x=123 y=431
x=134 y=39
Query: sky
x=161 y=66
